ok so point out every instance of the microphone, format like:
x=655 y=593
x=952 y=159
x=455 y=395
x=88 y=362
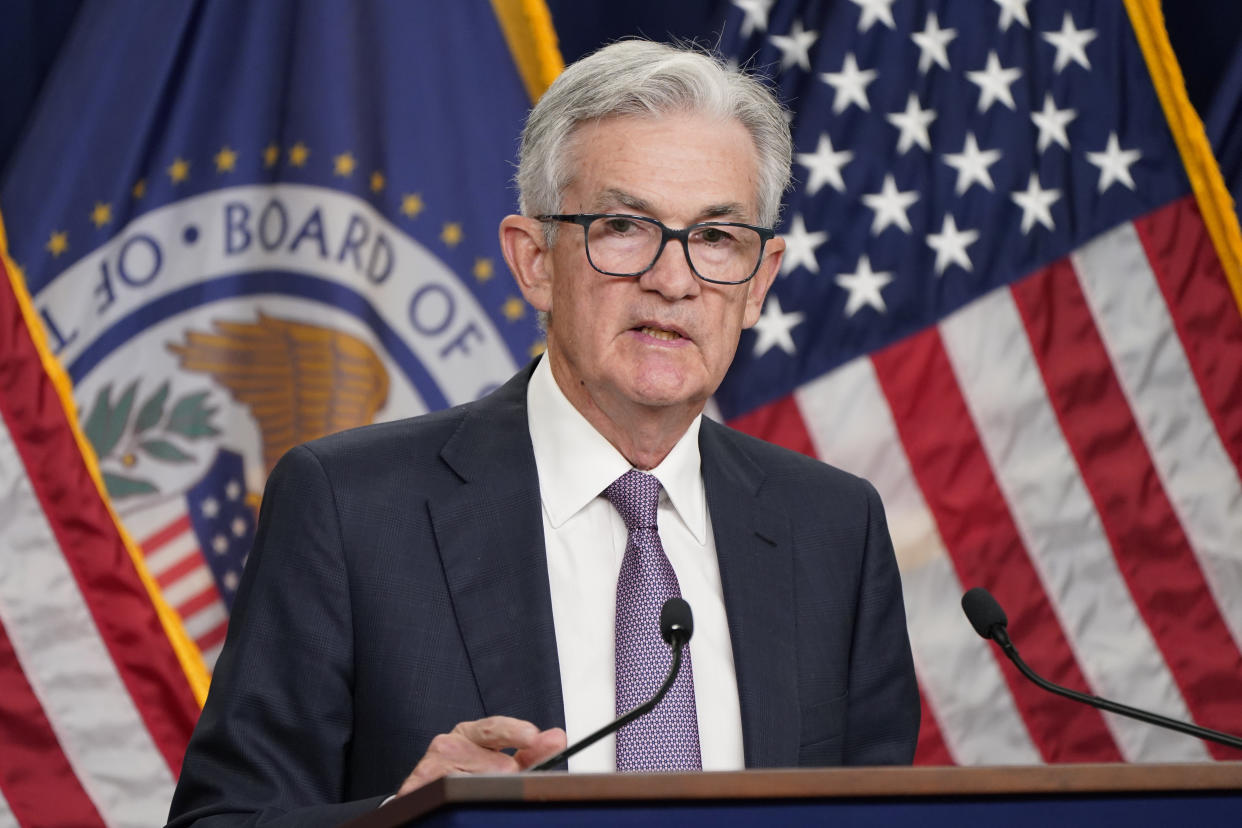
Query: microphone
x=676 y=627
x=989 y=620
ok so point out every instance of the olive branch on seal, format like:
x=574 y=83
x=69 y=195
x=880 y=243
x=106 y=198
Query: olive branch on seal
x=109 y=429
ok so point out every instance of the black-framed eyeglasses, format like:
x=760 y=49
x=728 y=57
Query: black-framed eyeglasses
x=720 y=252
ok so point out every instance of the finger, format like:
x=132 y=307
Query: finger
x=546 y=744
x=498 y=732
x=454 y=753
x=457 y=754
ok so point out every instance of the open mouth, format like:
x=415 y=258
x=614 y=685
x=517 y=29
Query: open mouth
x=659 y=333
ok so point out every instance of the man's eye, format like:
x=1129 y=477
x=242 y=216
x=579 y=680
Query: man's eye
x=620 y=226
x=714 y=235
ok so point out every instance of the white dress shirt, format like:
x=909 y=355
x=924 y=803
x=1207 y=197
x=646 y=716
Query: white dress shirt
x=585 y=539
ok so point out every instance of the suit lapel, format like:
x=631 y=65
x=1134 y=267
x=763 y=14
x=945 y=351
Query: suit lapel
x=756 y=573
x=490 y=536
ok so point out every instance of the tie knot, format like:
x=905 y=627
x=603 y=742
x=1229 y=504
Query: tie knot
x=636 y=495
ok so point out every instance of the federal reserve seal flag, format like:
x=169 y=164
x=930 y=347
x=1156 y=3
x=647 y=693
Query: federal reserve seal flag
x=233 y=227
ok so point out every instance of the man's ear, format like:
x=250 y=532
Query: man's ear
x=757 y=288
x=527 y=253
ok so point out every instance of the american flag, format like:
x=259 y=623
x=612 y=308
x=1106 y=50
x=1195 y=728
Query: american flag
x=1001 y=303
x=195 y=547
x=94 y=688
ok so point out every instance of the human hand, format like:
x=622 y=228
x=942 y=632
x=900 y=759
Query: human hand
x=476 y=747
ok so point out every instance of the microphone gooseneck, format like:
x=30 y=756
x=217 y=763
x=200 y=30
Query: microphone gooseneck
x=676 y=627
x=989 y=620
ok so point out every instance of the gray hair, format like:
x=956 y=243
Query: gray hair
x=643 y=78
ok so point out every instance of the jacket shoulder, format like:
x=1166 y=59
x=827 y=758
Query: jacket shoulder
x=780 y=466
x=415 y=443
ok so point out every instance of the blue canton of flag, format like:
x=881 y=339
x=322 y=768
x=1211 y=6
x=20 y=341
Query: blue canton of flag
x=223 y=522
x=941 y=150
x=1001 y=302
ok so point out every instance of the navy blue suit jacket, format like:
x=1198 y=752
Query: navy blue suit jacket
x=398 y=585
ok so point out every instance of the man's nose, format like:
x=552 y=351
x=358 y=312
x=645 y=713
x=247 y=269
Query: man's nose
x=671 y=275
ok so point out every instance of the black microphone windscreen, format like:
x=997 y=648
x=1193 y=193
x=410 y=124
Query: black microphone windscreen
x=983 y=611
x=676 y=620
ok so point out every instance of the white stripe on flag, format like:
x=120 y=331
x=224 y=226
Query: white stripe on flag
x=69 y=667
x=212 y=655
x=162 y=558
x=1155 y=376
x=850 y=425
x=151 y=518
x=206 y=619
x=190 y=585
x=7 y=819
x=990 y=352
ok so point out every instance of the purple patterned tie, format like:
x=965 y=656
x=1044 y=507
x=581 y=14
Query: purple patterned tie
x=667 y=738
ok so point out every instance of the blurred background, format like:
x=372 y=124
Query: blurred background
x=1206 y=35
x=1010 y=300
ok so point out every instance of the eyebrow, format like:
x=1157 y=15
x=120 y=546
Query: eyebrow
x=613 y=197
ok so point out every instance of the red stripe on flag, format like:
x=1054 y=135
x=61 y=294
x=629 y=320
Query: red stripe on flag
x=931 y=749
x=1152 y=550
x=953 y=472
x=1204 y=311
x=89 y=539
x=180 y=569
x=200 y=601
x=166 y=534
x=37 y=780
x=213 y=636
x=778 y=422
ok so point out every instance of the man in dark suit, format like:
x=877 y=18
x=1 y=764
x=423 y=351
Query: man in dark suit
x=440 y=593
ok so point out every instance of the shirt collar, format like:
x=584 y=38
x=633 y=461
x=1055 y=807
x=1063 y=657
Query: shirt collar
x=575 y=463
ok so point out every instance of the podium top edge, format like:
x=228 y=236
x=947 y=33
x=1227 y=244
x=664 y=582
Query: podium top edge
x=859 y=782
x=814 y=783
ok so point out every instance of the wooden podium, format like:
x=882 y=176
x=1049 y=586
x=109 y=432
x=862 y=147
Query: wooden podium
x=1182 y=796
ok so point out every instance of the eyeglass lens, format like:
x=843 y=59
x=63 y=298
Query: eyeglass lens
x=624 y=246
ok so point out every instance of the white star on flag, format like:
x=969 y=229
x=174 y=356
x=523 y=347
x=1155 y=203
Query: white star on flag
x=972 y=165
x=825 y=165
x=1071 y=44
x=1114 y=163
x=873 y=11
x=950 y=245
x=890 y=206
x=994 y=81
x=795 y=46
x=933 y=44
x=1035 y=203
x=913 y=124
x=864 y=286
x=774 y=328
x=849 y=85
x=1052 y=122
x=1012 y=10
x=800 y=247
x=756 y=15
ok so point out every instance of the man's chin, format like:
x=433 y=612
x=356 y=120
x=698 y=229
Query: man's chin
x=653 y=393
